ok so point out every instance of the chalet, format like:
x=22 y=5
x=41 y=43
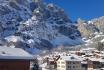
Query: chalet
x=95 y=63
x=14 y=59
x=50 y=64
x=68 y=63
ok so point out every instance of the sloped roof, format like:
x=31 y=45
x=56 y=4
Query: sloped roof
x=14 y=53
x=70 y=58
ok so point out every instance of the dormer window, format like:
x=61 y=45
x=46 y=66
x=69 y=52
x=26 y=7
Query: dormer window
x=72 y=58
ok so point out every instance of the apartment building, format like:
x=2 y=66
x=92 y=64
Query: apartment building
x=68 y=63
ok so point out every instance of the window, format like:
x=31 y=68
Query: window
x=58 y=65
x=63 y=66
x=69 y=66
x=63 y=62
x=73 y=62
x=58 y=62
x=68 y=62
x=77 y=62
x=73 y=66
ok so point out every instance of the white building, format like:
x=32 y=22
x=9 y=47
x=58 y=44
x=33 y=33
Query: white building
x=68 y=63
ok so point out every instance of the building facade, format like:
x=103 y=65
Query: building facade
x=14 y=59
x=68 y=63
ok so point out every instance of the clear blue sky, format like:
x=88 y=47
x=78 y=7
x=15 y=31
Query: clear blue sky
x=85 y=9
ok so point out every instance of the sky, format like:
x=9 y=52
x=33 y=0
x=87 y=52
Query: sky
x=84 y=9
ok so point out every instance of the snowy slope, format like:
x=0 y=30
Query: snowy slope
x=50 y=28
x=34 y=25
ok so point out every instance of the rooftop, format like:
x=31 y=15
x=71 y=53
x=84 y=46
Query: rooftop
x=70 y=58
x=14 y=53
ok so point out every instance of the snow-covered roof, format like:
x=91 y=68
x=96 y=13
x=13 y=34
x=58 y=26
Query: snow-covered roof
x=101 y=60
x=95 y=59
x=88 y=49
x=14 y=53
x=70 y=58
x=102 y=41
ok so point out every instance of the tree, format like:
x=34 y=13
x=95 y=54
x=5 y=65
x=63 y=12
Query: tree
x=35 y=67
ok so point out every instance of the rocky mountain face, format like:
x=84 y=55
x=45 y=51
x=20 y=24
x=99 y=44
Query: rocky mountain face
x=92 y=31
x=34 y=25
x=90 y=28
x=11 y=13
x=99 y=23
